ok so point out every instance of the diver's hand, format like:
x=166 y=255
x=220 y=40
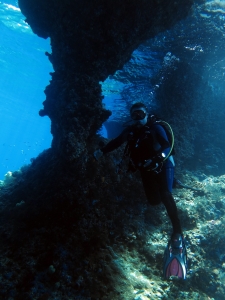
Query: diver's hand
x=152 y=165
x=98 y=154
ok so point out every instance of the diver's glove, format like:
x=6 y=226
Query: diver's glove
x=154 y=164
x=98 y=154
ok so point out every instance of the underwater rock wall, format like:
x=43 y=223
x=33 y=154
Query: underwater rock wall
x=189 y=87
x=90 y=40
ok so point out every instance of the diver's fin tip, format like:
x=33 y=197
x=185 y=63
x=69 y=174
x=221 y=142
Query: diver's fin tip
x=175 y=261
x=175 y=268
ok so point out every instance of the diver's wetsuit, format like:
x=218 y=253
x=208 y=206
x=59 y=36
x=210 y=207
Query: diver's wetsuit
x=157 y=186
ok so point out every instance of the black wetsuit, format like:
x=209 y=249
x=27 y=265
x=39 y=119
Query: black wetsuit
x=157 y=186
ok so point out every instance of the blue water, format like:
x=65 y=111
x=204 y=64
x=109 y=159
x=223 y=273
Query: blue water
x=132 y=83
x=24 y=74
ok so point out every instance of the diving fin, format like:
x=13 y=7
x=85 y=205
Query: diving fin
x=175 y=258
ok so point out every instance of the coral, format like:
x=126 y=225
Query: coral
x=8 y=178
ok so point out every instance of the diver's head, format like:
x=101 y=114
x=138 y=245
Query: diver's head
x=138 y=113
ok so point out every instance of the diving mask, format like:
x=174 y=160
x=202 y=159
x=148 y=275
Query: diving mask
x=138 y=114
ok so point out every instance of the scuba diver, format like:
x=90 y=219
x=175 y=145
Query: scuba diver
x=150 y=150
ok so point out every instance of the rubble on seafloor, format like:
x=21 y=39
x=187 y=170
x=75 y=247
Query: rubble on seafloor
x=44 y=264
x=203 y=214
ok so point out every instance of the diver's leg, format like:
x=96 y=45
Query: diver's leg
x=158 y=188
x=171 y=208
x=175 y=255
x=151 y=187
x=167 y=176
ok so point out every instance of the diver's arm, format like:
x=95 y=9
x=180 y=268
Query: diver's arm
x=117 y=142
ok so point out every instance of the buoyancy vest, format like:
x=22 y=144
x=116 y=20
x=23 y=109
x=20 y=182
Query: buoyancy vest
x=143 y=144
